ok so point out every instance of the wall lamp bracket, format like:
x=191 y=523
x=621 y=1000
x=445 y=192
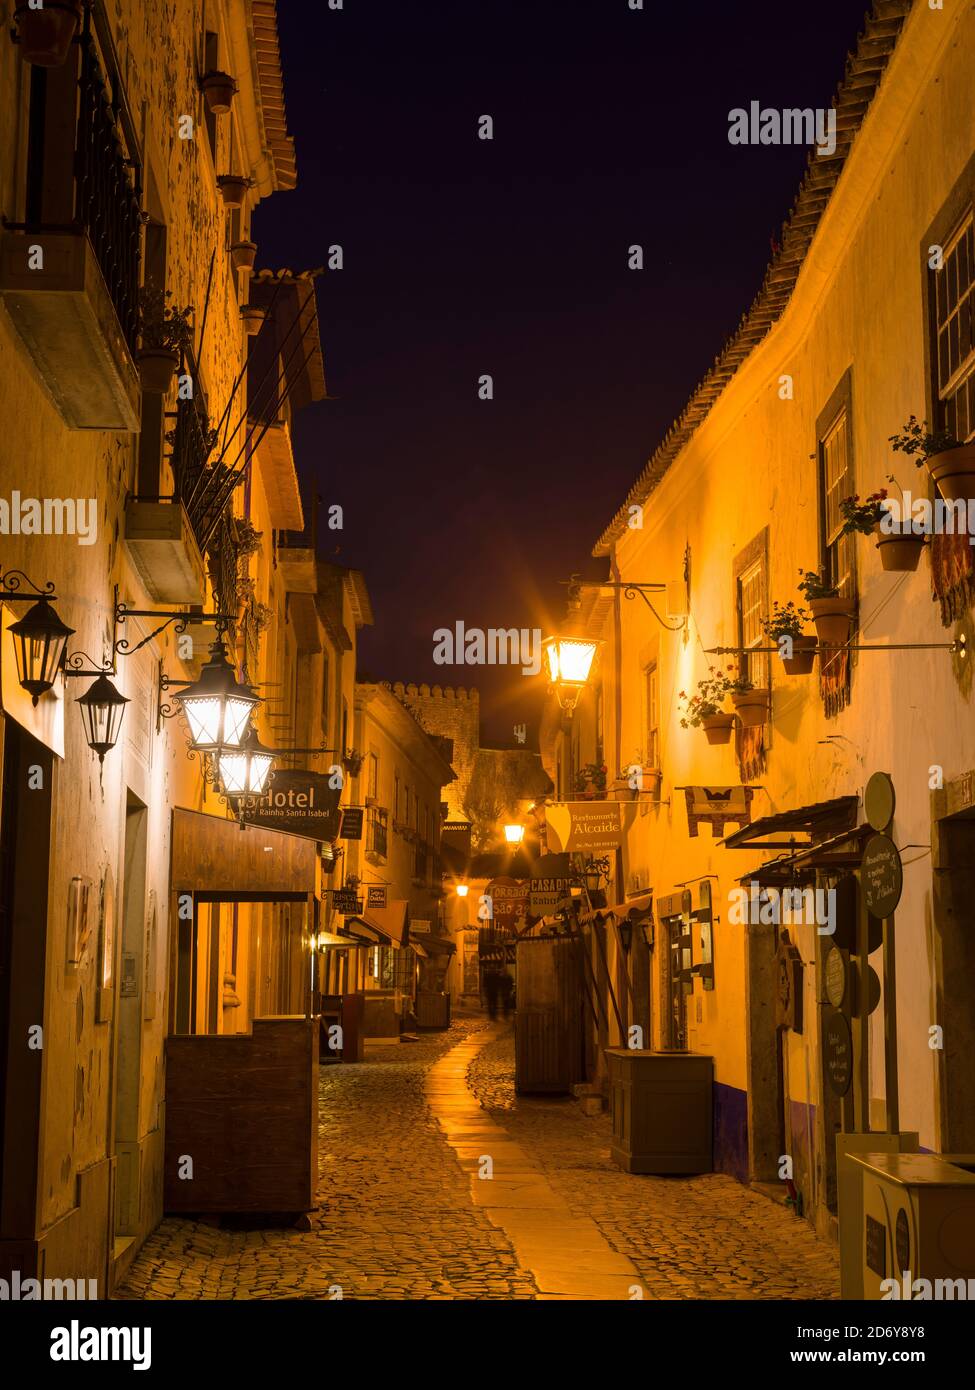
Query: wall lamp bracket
x=180 y=616
x=630 y=589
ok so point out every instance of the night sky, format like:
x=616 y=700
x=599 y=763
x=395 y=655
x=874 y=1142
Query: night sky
x=509 y=257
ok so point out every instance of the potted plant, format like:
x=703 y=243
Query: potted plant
x=233 y=188
x=352 y=762
x=788 y=621
x=219 y=90
x=165 y=333
x=751 y=705
x=253 y=316
x=243 y=255
x=703 y=710
x=831 y=613
x=950 y=462
x=900 y=548
x=590 y=780
x=45 y=34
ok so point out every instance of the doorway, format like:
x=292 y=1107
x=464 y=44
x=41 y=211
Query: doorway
x=128 y=1042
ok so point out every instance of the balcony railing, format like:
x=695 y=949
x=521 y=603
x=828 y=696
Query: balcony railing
x=108 y=190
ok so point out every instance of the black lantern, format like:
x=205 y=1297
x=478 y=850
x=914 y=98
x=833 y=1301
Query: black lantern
x=102 y=708
x=217 y=706
x=244 y=771
x=39 y=640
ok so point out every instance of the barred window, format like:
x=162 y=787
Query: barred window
x=751 y=613
x=836 y=483
x=653 y=715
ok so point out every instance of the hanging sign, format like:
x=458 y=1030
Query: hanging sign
x=298 y=802
x=837 y=1053
x=546 y=894
x=347 y=902
x=715 y=805
x=879 y=800
x=376 y=894
x=352 y=817
x=881 y=875
x=575 y=826
x=509 y=902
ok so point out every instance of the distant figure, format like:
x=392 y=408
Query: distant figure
x=506 y=986
x=492 y=985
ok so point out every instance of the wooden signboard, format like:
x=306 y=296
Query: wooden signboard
x=376 y=895
x=352 y=817
x=881 y=876
x=837 y=1053
x=298 y=802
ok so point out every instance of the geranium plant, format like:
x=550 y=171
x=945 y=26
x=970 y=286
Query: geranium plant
x=591 y=775
x=865 y=516
x=920 y=443
x=787 y=620
x=712 y=691
x=163 y=327
x=813 y=586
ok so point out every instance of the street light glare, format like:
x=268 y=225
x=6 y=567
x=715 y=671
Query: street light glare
x=514 y=834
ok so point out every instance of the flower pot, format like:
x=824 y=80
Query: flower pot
x=253 y=316
x=156 y=368
x=219 y=90
x=234 y=188
x=243 y=254
x=954 y=473
x=752 y=708
x=800 y=663
x=45 y=35
x=899 y=552
x=652 y=780
x=833 y=618
x=718 y=727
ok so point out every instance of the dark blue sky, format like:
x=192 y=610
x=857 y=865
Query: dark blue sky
x=509 y=257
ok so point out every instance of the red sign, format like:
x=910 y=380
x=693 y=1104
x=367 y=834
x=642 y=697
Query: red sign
x=509 y=902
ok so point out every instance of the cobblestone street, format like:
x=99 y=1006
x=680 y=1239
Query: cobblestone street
x=402 y=1213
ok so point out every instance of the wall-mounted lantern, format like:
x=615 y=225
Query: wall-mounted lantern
x=39 y=642
x=244 y=771
x=514 y=834
x=569 y=661
x=102 y=707
x=217 y=706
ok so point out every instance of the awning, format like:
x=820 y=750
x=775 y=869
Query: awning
x=421 y=951
x=379 y=926
x=634 y=909
x=814 y=823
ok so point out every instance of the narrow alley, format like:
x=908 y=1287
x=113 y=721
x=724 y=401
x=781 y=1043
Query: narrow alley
x=402 y=1213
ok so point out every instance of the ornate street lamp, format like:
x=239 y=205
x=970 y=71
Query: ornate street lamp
x=244 y=771
x=514 y=834
x=102 y=707
x=462 y=889
x=569 y=661
x=217 y=706
x=39 y=641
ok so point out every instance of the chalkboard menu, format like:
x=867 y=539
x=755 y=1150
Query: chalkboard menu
x=837 y=1053
x=881 y=875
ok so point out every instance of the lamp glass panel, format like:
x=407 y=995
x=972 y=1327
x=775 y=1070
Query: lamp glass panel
x=551 y=649
x=575 y=659
x=233 y=773
x=514 y=834
x=203 y=714
x=235 y=720
x=261 y=764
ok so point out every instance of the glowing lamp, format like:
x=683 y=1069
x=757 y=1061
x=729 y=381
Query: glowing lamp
x=217 y=706
x=462 y=890
x=39 y=640
x=102 y=707
x=244 y=771
x=514 y=834
x=569 y=661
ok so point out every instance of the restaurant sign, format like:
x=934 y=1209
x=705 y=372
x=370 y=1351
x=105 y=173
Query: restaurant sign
x=347 y=902
x=546 y=895
x=376 y=895
x=509 y=902
x=576 y=826
x=298 y=802
x=352 y=817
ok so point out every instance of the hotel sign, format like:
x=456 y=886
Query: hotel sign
x=297 y=802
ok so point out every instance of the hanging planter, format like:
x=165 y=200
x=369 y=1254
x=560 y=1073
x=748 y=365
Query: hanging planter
x=718 y=728
x=652 y=782
x=752 y=707
x=243 y=254
x=253 y=316
x=832 y=613
x=803 y=657
x=787 y=620
x=899 y=552
x=165 y=333
x=233 y=188
x=157 y=367
x=950 y=462
x=219 y=90
x=45 y=34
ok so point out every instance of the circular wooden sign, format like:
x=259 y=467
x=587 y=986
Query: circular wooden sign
x=835 y=977
x=881 y=875
x=879 y=800
x=838 y=1053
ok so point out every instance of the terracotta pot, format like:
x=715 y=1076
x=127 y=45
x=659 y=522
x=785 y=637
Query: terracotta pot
x=156 y=368
x=899 y=552
x=718 y=727
x=253 y=316
x=800 y=663
x=234 y=188
x=45 y=35
x=243 y=255
x=833 y=618
x=752 y=708
x=652 y=780
x=219 y=90
x=954 y=473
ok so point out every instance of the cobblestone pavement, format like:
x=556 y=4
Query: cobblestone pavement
x=396 y=1218
x=702 y=1237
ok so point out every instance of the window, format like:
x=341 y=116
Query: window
x=378 y=841
x=953 y=303
x=372 y=776
x=751 y=614
x=652 y=686
x=836 y=483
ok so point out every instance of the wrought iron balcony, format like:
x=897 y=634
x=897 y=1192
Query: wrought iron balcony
x=69 y=272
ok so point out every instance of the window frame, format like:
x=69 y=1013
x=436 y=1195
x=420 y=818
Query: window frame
x=838 y=408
